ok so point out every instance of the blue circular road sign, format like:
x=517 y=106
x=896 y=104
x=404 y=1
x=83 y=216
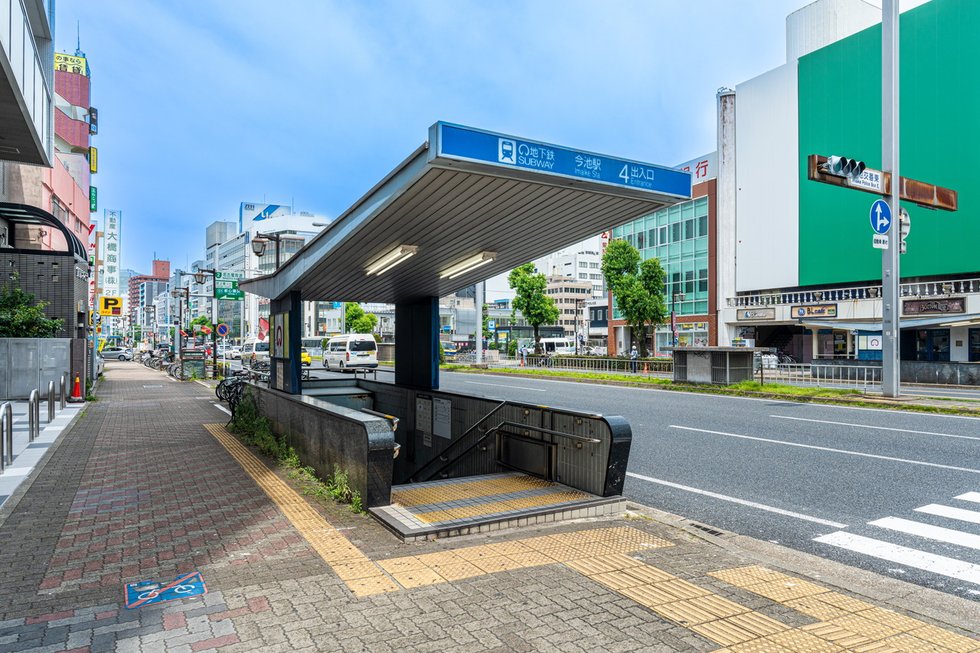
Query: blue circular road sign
x=223 y=330
x=881 y=217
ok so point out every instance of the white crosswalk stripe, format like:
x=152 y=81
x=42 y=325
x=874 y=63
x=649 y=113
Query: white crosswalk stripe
x=954 y=536
x=903 y=555
x=952 y=513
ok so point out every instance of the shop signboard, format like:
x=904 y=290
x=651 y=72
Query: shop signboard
x=938 y=306
x=814 y=310
x=756 y=314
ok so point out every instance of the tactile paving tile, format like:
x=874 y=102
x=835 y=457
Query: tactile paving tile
x=418 y=578
x=876 y=647
x=757 y=623
x=802 y=642
x=745 y=576
x=892 y=619
x=812 y=606
x=844 y=602
x=648 y=595
x=712 y=606
x=460 y=571
x=398 y=565
x=946 y=639
x=371 y=586
x=531 y=559
x=910 y=644
x=681 y=589
x=617 y=580
x=861 y=626
x=603 y=564
x=758 y=646
x=835 y=634
x=724 y=632
x=495 y=564
x=687 y=613
x=785 y=590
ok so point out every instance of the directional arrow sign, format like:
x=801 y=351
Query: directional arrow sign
x=881 y=217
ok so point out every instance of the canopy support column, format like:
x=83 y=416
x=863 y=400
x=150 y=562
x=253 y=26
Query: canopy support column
x=285 y=343
x=417 y=343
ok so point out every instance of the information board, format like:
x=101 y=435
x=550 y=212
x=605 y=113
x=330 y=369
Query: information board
x=442 y=418
x=423 y=419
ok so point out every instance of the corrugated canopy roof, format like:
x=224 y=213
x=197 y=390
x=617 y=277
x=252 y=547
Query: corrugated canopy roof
x=464 y=194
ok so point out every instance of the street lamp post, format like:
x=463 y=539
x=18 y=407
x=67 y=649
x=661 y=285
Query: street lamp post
x=180 y=294
x=200 y=277
x=676 y=297
x=261 y=240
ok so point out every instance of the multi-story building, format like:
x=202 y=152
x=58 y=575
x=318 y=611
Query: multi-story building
x=571 y=296
x=801 y=273
x=136 y=302
x=682 y=239
x=582 y=262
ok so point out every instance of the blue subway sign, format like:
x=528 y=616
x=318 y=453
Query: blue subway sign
x=450 y=141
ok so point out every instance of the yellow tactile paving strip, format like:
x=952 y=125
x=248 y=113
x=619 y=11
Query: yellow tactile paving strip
x=362 y=576
x=466 y=490
x=497 y=507
x=845 y=623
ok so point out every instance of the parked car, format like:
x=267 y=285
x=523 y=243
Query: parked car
x=305 y=358
x=99 y=365
x=117 y=353
x=233 y=353
x=351 y=351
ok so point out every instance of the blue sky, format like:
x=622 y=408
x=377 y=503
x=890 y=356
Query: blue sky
x=205 y=104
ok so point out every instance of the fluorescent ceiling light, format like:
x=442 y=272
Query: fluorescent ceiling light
x=471 y=263
x=392 y=258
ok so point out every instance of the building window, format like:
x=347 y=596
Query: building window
x=975 y=345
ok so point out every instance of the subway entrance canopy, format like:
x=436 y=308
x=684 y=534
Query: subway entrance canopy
x=465 y=206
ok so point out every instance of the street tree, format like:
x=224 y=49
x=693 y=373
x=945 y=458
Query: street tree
x=638 y=288
x=530 y=299
x=21 y=316
x=357 y=321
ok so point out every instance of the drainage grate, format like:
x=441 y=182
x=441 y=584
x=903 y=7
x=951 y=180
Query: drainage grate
x=706 y=529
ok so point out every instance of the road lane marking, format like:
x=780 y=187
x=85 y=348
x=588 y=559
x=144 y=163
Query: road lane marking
x=501 y=385
x=970 y=496
x=893 y=411
x=832 y=450
x=871 y=426
x=743 y=502
x=971 y=516
x=930 y=562
x=221 y=408
x=928 y=531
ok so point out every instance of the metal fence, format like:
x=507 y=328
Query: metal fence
x=29 y=363
x=815 y=374
x=598 y=364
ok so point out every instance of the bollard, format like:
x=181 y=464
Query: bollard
x=50 y=401
x=6 y=434
x=64 y=390
x=33 y=415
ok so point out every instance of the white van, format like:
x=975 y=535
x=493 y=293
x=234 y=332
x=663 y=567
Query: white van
x=350 y=351
x=255 y=351
x=562 y=346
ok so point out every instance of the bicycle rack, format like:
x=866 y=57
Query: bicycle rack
x=64 y=390
x=50 y=401
x=6 y=443
x=33 y=415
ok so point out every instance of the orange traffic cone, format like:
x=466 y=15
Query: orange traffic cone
x=76 y=391
x=645 y=370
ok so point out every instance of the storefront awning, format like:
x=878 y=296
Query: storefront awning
x=904 y=323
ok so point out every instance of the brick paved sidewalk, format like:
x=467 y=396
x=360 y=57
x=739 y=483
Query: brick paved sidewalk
x=148 y=485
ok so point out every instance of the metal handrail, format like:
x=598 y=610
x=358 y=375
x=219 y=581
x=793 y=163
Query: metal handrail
x=6 y=428
x=443 y=457
x=50 y=401
x=539 y=429
x=64 y=390
x=33 y=415
x=390 y=418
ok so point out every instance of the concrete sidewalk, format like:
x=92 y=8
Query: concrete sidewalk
x=148 y=486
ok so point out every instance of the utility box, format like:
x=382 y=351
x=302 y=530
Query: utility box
x=718 y=365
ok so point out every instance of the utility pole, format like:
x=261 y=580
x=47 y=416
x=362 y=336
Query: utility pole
x=890 y=272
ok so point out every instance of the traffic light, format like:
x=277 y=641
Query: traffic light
x=841 y=166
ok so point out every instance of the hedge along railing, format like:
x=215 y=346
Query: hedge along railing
x=599 y=364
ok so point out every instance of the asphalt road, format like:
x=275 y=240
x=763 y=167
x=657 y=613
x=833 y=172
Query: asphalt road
x=896 y=493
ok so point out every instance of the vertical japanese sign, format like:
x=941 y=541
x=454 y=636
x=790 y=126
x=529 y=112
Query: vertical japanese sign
x=111 y=252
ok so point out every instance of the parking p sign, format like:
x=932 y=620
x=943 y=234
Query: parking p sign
x=110 y=306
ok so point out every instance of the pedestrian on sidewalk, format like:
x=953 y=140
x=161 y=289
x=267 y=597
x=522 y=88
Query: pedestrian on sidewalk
x=634 y=355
